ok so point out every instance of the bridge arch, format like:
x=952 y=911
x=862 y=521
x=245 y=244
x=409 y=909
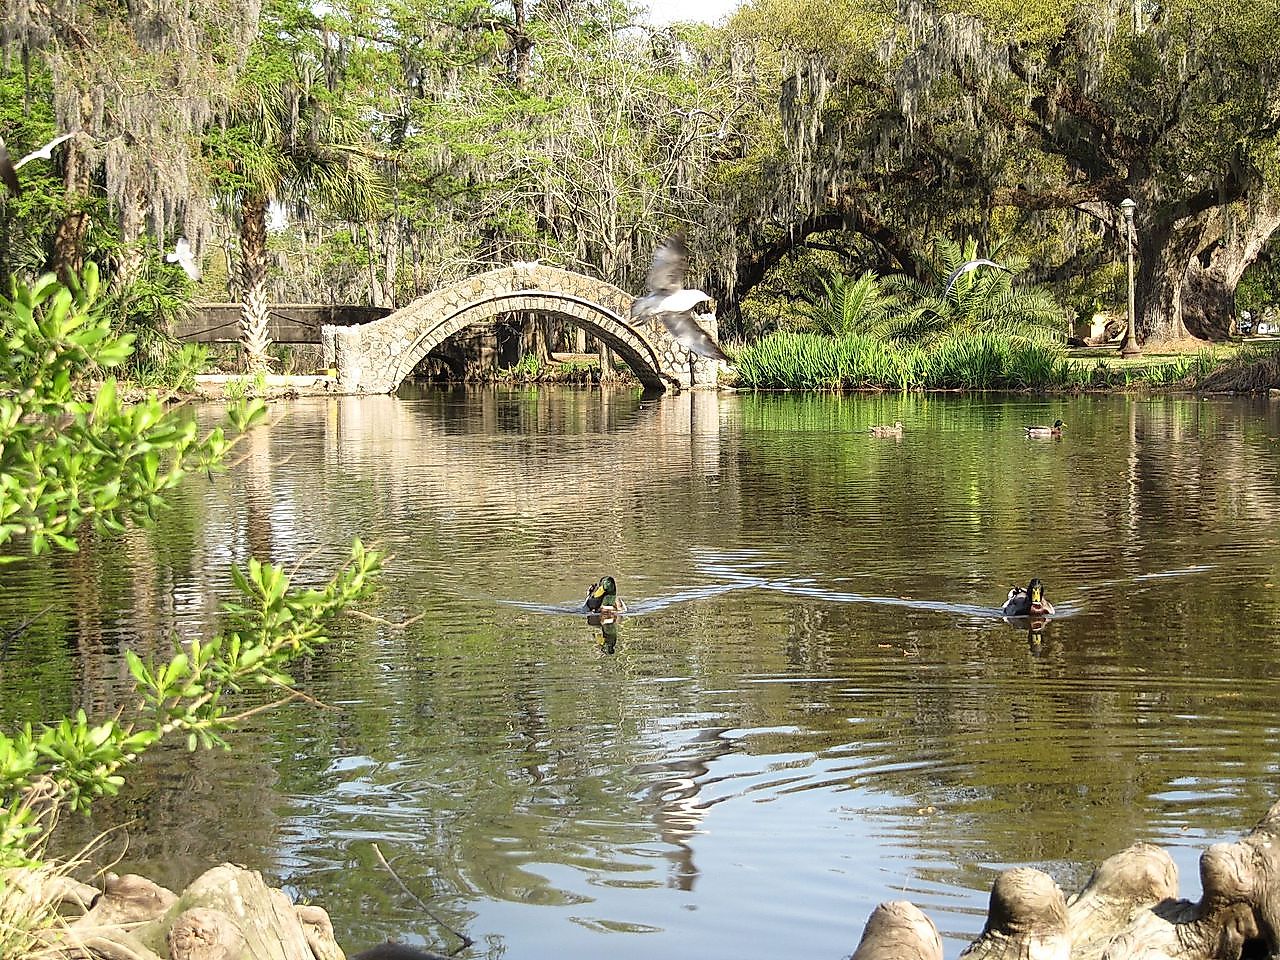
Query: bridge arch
x=376 y=357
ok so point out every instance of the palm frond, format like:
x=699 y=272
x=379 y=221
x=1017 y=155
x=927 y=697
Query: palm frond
x=847 y=305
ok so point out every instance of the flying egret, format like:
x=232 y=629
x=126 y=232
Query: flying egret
x=667 y=299
x=9 y=169
x=185 y=257
x=45 y=152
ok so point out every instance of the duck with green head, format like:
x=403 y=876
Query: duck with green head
x=602 y=598
x=1028 y=601
x=1046 y=433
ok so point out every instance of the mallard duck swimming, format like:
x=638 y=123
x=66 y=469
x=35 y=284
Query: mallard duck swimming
x=602 y=598
x=1028 y=601
x=887 y=431
x=1042 y=432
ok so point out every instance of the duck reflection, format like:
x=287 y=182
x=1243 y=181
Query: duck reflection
x=608 y=624
x=603 y=609
x=1034 y=627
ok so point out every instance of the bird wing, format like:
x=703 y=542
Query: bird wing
x=1016 y=602
x=184 y=257
x=8 y=172
x=682 y=301
x=966 y=267
x=691 y=336
x=44 y=152
x=670 y=263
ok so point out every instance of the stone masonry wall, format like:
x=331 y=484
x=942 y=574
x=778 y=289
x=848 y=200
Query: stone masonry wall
x=375 y=357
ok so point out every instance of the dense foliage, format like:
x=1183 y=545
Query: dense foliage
x=787 y=360
x=400 y=144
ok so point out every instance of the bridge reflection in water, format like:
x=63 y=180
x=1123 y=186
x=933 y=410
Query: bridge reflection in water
x=680 y=429
x=804 y=715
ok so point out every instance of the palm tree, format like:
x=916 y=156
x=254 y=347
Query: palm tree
x=981 y=301
x=291 y=142
x=848 y=306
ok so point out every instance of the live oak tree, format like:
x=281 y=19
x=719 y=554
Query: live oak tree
x=1042 y=117
x=1169 y=104
x=138 y=84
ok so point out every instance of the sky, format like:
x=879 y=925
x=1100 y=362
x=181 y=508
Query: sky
x=665 y=11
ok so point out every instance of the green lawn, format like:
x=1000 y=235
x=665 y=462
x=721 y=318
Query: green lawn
x=1221 y=352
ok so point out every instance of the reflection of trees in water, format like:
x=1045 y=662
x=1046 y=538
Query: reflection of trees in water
x=259 y=496
x=488 y=757
x=675 y=797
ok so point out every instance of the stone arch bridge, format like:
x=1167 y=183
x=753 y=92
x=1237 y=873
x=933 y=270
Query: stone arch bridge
x=375 y=357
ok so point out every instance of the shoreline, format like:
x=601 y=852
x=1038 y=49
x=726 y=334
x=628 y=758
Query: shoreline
x=223 y=387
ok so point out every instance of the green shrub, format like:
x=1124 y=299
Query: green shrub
x=67 y=463
x=811 y=361
x=1034 y=366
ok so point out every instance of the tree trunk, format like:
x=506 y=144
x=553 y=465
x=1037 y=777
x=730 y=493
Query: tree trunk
x=606 y=362
x=392 y=239
x=68 y=244
x=254 y=314
x=521 y=45
x=1161 y=255
x=415 y=246
x=73 y=230
x=533 y=337
x=375 y=285
x=128 y=257
x=1238 y=234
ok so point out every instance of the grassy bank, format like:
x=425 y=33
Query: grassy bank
x=988 y=361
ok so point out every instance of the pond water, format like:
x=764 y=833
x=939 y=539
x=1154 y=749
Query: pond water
x=810 y=706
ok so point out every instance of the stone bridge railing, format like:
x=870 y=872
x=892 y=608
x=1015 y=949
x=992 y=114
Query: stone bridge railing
x=375 y=357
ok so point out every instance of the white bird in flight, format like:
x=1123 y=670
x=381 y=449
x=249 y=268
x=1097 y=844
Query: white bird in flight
x=966 y=267
x=45 y=152
x=667 y=299
x=183 y=255
x=9 y=169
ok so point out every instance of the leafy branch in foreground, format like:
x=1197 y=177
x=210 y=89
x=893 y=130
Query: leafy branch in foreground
x=75 y=761
x=65 y=459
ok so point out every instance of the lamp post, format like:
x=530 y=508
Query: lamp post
x=1130 y=348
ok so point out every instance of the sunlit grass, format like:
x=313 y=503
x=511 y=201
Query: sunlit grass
x=981 y=361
